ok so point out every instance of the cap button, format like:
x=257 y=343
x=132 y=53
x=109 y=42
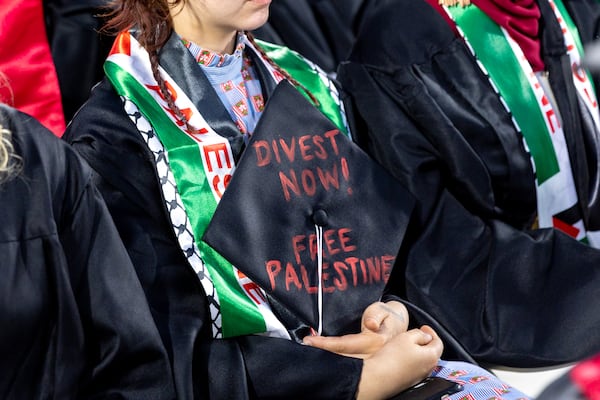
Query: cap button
x=320 y=217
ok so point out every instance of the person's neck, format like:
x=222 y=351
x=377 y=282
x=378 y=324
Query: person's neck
x=216 y=39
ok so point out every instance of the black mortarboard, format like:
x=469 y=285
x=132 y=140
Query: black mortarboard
x=298 y=172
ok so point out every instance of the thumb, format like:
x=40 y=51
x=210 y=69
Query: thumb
x=373 y=317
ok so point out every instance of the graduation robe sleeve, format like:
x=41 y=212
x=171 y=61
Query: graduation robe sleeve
x=510 y=296
x=238 y=368
x=75 y=321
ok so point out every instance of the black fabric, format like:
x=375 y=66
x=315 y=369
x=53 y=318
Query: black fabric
x=585 y=15
x=75 y=322
x=300 y=172
x=248 y=367
x=78 y=47
x=292 y=383
x=320 y=30
x=426 y=113
x=307 y=38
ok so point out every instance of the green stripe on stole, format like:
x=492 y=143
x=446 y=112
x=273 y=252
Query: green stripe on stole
x=239 y=315
x=297 y=67
x=494 y=51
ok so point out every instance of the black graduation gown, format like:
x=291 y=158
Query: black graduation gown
x=511 y=296
x=243 y=367
x=75 y=323
x=320 y=30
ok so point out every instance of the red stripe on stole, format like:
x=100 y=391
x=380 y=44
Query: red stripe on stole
x=564 y=227
x=122 y=44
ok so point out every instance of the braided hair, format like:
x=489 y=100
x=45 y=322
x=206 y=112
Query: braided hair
x=281 y=70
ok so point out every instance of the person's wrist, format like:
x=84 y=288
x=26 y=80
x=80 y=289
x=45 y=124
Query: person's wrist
x=371 y=385
x=365 y=385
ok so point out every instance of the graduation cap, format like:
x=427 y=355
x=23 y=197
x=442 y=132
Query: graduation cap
x=309 y=217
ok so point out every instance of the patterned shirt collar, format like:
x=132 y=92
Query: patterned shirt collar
x=210 y=58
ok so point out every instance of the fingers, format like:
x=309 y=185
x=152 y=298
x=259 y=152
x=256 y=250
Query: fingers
x=356 y=345
x=425 y=336
x=365 y=344
x=373 y=316
x=436 y=343
x=420 y=337
x=429 y=330
x=392 y=315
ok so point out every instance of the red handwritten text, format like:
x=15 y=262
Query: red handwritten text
x=350 y=272
x=307 y=179
x=346 y=271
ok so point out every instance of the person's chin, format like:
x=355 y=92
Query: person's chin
x=257 y=20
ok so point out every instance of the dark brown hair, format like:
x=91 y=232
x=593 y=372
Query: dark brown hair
x=281 y=70
x=153 y=22
x=151 y=17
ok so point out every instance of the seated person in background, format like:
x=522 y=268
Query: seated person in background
x=75 y=322
x=78 y=47
x=482 y=112
x=186 y=86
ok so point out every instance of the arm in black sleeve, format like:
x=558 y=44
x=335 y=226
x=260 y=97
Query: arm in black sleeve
x=128 y=359
x=279 y=369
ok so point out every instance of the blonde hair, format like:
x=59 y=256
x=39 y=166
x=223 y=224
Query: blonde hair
x=8 y=160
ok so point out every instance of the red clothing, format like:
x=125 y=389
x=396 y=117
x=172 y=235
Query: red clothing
x=26 y=62
x=586 y=377
x=521 y=20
